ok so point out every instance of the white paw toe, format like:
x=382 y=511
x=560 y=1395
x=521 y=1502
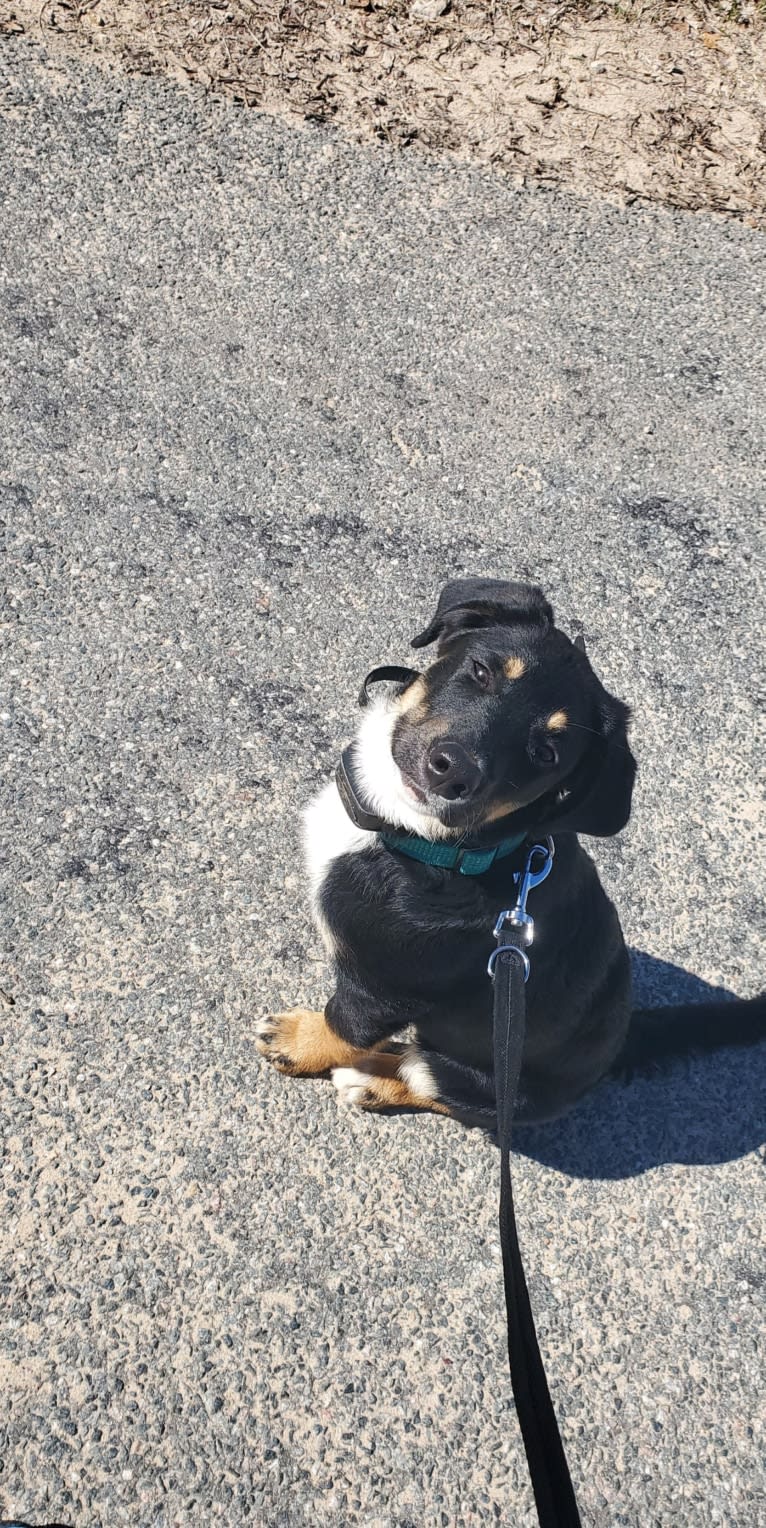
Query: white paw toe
x=353 y=1086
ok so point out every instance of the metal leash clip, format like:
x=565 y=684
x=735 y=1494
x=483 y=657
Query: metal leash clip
x=517 y=916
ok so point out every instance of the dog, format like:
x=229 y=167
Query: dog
x=506 y=739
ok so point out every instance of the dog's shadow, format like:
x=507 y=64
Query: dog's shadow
x=705 y=1110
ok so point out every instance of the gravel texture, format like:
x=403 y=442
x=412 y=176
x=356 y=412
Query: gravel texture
x=262 y=393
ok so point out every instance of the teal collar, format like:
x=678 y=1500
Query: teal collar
x=451 y=856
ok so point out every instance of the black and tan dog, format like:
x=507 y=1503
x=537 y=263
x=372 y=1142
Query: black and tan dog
x=412 y=852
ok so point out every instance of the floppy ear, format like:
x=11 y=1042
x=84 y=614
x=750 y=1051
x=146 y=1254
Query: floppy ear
x=472 y=602
x=598 y=799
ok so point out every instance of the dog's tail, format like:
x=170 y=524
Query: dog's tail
x=659 y=1035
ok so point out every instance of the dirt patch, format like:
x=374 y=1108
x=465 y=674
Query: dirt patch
x=665 y=102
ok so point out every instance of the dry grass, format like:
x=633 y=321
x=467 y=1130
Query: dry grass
x=639 y=99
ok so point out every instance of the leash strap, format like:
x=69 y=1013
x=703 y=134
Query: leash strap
x=548 y=1469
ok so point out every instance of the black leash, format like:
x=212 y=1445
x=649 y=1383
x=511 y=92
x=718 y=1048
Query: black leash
x=509 y=969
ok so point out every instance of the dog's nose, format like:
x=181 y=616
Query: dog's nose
x=452 y=772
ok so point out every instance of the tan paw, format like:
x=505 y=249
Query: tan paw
x=354 y=1087
x=301 y=1043
x=381 y=1081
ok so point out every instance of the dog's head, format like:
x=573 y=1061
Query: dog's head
x=508 y=722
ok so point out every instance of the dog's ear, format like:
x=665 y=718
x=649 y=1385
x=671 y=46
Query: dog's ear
x=472 y=602
x=579 y=642
x=597 y=799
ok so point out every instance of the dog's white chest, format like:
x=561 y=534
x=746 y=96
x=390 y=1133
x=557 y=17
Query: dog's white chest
x=328 y=833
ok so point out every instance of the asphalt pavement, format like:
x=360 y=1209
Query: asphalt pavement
x=262 y=392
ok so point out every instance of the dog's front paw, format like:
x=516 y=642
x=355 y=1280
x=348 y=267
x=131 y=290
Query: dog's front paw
x=301 y=1043
x=275 y=1038
x=393 y=1079
x=355 y=1087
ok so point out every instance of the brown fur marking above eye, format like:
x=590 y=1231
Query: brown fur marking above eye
x=514 y=667
x=557 y=722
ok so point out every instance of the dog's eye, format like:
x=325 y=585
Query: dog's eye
x=481 y=674
x=543 y=753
